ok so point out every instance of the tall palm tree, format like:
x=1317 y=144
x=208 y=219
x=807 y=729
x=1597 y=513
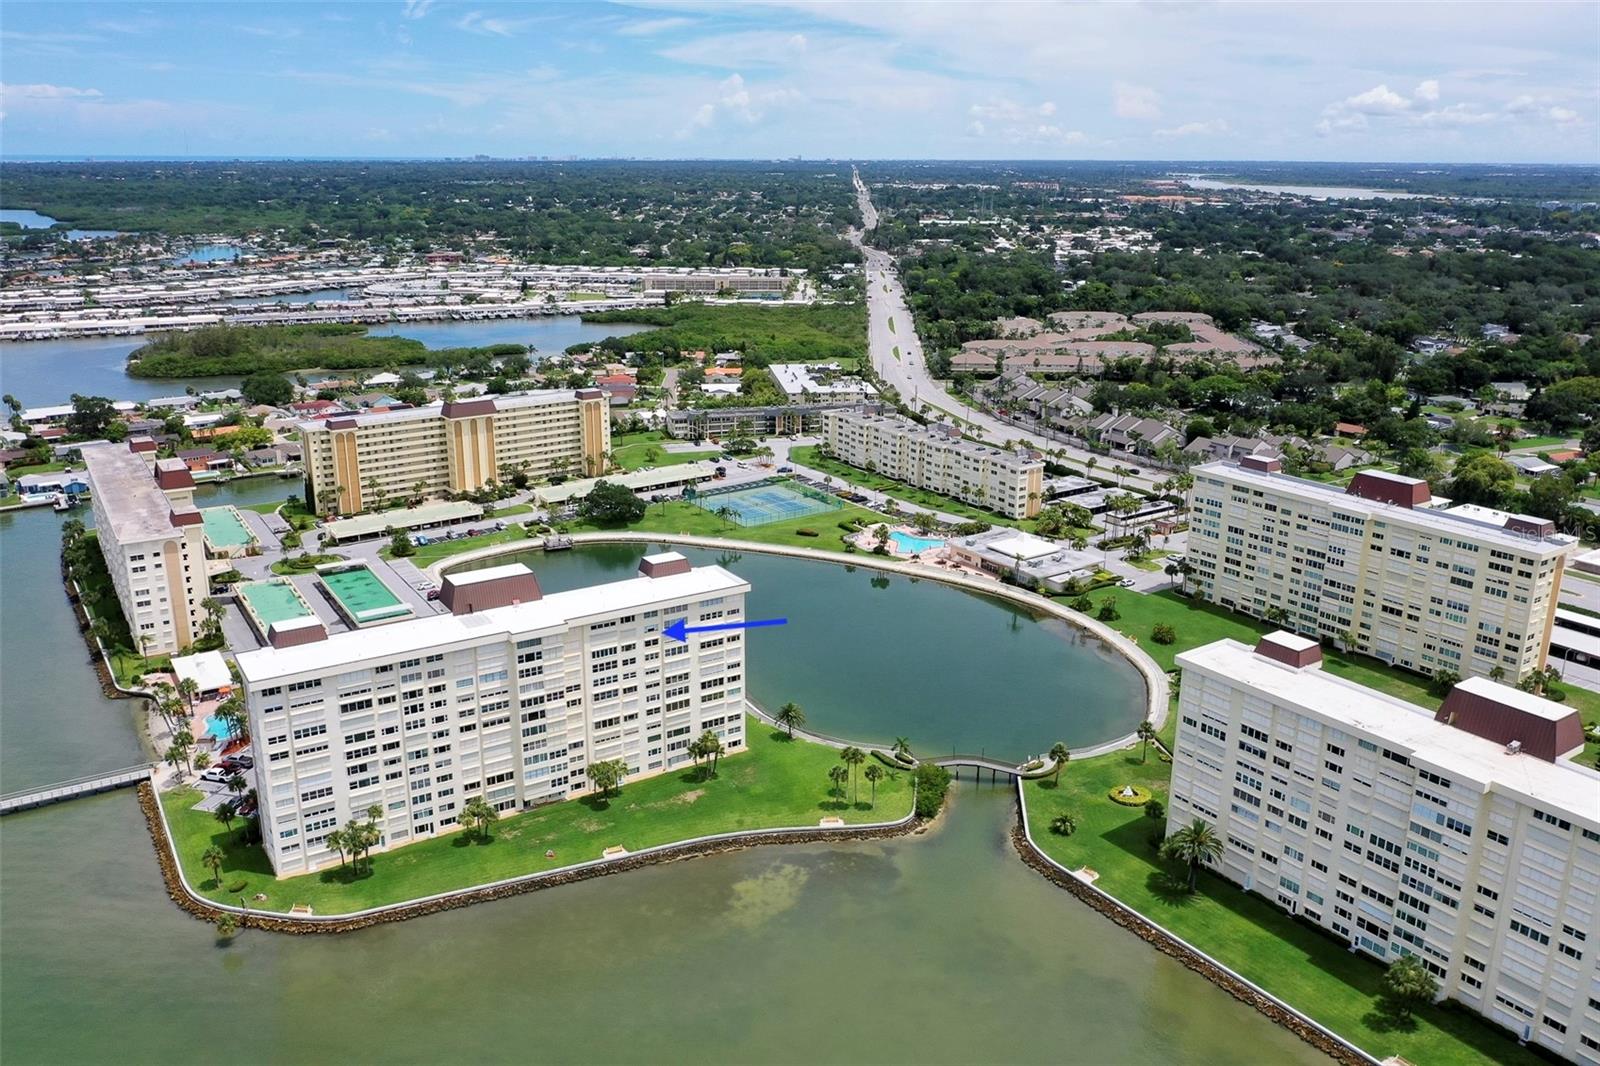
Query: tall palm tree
x=213 y=859
x=226 y=814
x=189 y=689
x=874 y=774
x=1147 y=733
x=1195 y=844
x=853 y=757
x=902 y=749
x=1059 y=754
x=838 y=775
x=790 y=716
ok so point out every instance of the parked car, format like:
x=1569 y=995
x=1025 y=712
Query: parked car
x=216 y=775
x=1126 y=582
x=433 y=594
x=245 y=761
x=785 y=469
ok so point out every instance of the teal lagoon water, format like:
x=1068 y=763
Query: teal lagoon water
x=926 y=949
x=873 y=656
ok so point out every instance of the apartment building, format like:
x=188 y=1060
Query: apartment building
x=778 y=420
x=510 y=696
x=1377 y=566
x=707 y=282
x=357 y=462
x=1011 y=483
x=152 y=539
x=1467 y=837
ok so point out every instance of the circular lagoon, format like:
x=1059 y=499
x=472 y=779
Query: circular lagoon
x=872 y=656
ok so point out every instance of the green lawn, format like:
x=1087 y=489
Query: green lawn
x=269 y=507
x=777 y=782
x=633 y=451
x=675 y=516
x=37 y=468
x=10 y=501
x=129 y=666
x=1288 y=958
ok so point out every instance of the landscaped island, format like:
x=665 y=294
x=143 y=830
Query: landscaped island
x=245 y=350
x=777 y=783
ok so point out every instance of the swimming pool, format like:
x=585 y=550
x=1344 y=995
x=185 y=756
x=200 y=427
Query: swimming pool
x=224 y=529
x=362 y=597
x=218 y=729
x=911 y=544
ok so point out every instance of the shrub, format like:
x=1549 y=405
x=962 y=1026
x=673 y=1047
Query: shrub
x=805 y=532
x=1082 y=604
x=1140 y=797
x=1063 y=825
x=238 y=886
x=1108 y=610
x=932 y=784
x=848 y=526
x=1163 y=633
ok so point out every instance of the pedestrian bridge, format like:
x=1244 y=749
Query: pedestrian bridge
x=996 y=767
x=81 y=786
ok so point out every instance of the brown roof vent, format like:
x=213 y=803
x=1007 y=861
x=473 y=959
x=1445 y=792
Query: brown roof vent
x=1530 y=526
x=1290 y=649
x=173 y=474
x=1389 y=488
x=1523 y=722
x=482 y=590
x=141 y=444
x=663 y=565
x=295 y=631
x=589 y=394
x=1269 y=464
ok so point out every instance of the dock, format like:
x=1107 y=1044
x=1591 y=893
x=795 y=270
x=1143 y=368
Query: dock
x=82 y=786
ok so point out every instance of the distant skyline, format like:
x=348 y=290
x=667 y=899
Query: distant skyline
x=1393 y=82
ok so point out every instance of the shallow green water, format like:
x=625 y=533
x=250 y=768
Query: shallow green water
x=931 y=949
x=872 y=656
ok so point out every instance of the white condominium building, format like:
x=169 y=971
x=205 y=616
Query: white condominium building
x=153 y=541
x=1467 y=838
x=510 y=696
x=1377 y=567
x=1011 y=483
x=357 y=462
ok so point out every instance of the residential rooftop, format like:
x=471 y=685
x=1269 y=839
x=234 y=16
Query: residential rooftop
x=957 y=444
x=439 y=632
x=127 y=493
x=1481 y=523
x=507 y=402
x=1412 y=730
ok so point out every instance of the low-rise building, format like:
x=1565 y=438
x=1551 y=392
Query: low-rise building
x=1031 y=560
x=1467 y=838
x=803 y=383
x=778 y=420
x=510 y=696
x=1011 y=483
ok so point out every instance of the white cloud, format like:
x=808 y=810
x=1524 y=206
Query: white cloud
x=1427 y=91
x=1378 y=100
x=1564 y=116
x=1135 y=101
x=494 y=25
x=651 y=27
x=416 y=9
x=46 y=92
x=1196 y=129
x=1456 y=115
x=735 y=100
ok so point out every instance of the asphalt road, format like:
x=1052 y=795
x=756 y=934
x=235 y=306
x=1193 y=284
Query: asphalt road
x=898 y=359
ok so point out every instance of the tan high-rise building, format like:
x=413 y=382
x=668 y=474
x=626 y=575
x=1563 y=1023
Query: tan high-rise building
x=153 y=541
x=357 y=462
x=1011 y=483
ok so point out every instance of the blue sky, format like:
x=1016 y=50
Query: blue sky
x=1480 y=82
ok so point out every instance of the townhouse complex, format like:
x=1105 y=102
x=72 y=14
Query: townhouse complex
x=1465 y=837
x=357 y=462
x=153 y=541
x=1011 y=483
x=509 y=696
x=1378 y=566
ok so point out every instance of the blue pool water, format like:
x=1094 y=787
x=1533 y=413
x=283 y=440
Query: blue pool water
x=218 y=728
x=913 y=544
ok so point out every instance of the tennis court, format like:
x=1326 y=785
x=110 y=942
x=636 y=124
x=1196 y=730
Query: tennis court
x=759 y=505
x=362 y=597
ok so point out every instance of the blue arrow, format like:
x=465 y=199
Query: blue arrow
x=680 y=629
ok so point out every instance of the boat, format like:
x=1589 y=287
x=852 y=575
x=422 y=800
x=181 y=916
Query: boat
x=62 y=502
x=557 y=542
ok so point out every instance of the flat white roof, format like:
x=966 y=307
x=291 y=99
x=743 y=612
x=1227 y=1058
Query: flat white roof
x=1408 y=728
x=349 y=651
x=1024 y=544
x=1454 y=520
x=638 y=481
x=125 y=490
x=492 y=573
x=207 y=669
x=406 y=518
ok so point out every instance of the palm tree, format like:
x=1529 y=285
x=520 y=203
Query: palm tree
x=336 y=840
x=902 y=749
x=202 y=760
x=189 y=688
x=227 y=925
x=1059 y=754
x=1147 y=733
x=226 y=814
x=874 y=774
x=212 y=860
x=853 y=757
x=711 y=747
x=1497 y=674
x=476 y=816
x=838 y=775
x=727 y=514
x=1064 y=825
x=1194 y=844
x=236 y=784
x=790 y=716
